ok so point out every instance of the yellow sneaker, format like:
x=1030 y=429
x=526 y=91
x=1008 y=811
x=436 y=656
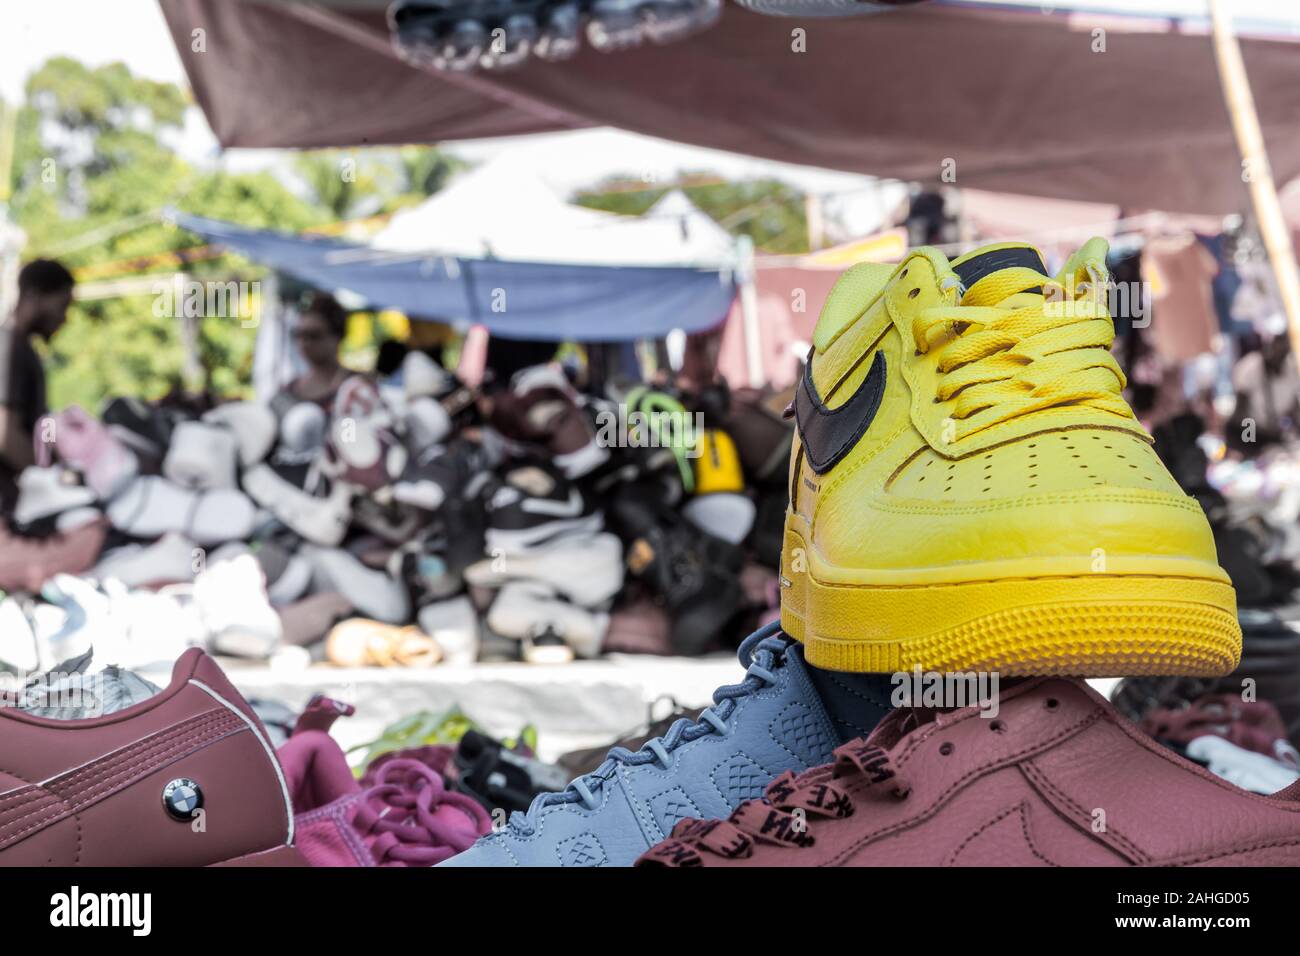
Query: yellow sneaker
x=970 y=491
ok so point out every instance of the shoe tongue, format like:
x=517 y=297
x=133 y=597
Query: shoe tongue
x=991 y=274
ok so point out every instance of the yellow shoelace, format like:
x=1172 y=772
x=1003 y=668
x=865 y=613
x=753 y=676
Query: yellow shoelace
x=1005 y=351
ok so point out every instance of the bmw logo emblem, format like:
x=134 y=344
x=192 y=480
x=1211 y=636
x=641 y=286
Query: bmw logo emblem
x=181 y=798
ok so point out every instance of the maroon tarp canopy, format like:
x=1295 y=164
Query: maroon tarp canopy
x=1018 y=99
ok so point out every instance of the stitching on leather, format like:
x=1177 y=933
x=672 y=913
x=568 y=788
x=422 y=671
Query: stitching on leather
x=840 y=475
x=840 y=683
x=72 y=803
x=71 y=779
x=143 y=766
x=1019 y=808
x=148 y=758
x=1235 y=851
x=957 y=784
x=155 y=751
x=1039 y=779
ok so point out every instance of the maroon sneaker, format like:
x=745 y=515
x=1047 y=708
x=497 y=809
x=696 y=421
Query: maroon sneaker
x=185 y=778
x=1058 y=778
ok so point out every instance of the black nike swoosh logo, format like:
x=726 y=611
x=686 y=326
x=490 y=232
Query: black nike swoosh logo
x=828 y=434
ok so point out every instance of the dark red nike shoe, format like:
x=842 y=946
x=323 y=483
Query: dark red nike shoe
x=1056 y=778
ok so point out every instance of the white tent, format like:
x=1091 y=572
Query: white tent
x=503 y=210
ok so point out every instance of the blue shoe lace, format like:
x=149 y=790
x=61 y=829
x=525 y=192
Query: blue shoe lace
x=759 y=654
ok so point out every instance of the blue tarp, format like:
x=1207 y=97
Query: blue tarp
x=520 y=300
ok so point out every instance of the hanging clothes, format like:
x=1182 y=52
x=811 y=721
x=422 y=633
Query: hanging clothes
x=1180 y=272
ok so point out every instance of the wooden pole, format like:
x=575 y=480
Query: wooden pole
x=1255 y=168
x=749 y=312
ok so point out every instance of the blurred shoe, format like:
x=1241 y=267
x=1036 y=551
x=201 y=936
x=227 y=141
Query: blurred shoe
x=126 y=789
x=151 y=506
x=499 y=778
x=86 y=444
x=359 y=642
x=145 y=429
x=46 y=493
x=1057 y=778
x=373 y=592
x=427 y=423
x=302 y=431
x=132 y=629
x=639 y=626
x=172 y=558
x=402 y=816
x=1249 y=728
x=723 y=514
x=534 y=504
x=525 y=609
x=586 y=569
x=541 y=410
x=1240 y=766
x=202 y=456
x=253 y=426
x=775 y=719
x=544 y=646
x=361 y=448
x=763 y=435
x=308 y=620
x=970 y=490
x=422 y=377
x=701 y=595
x=288 y=574
x=717 y=464
x=232 y=602
x=454 y=626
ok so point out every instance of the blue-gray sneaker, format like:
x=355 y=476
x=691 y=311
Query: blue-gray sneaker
x=785 y=715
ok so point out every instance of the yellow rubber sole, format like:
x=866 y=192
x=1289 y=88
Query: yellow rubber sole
x=1088 y=625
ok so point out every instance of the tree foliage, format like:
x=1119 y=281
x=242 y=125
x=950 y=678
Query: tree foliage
x=94 y=166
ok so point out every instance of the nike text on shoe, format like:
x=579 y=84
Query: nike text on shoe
x=970 y=491
x=1058 y=778
x=773 y=720
x=185 y=778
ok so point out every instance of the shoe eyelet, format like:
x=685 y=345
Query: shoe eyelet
x=946 y=748
x=914 y=293
x=1052 y=703
x=998 y=726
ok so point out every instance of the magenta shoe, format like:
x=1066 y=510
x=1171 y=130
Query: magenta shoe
x=401 y=814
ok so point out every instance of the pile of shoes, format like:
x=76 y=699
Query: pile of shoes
x=977 y=522
x=397 y=526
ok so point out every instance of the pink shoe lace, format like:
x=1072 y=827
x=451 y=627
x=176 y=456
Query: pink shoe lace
x=780 y=817
x=409 y=817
